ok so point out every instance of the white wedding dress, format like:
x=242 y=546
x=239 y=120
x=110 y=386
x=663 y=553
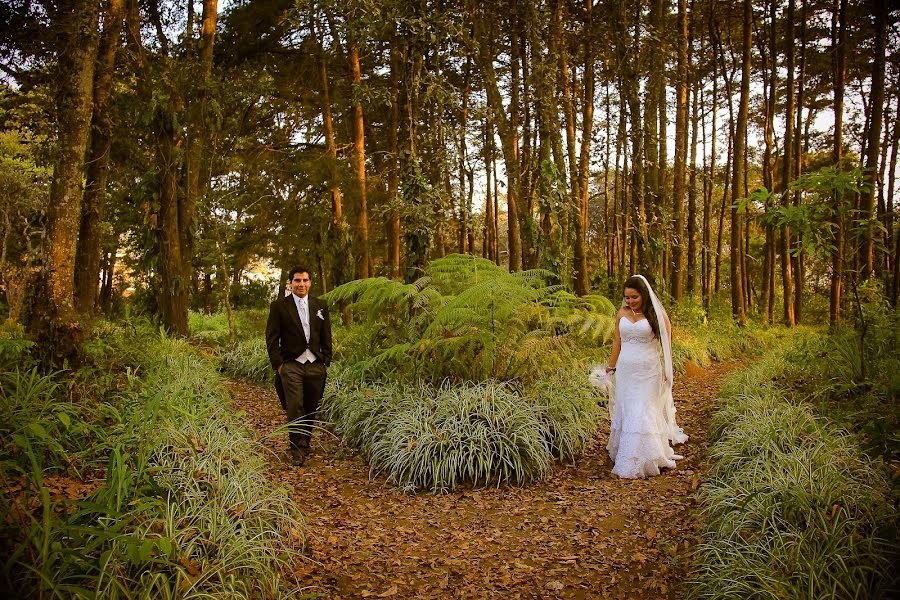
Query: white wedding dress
x=643 y=418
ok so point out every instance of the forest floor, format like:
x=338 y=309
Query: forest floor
x=581 y=533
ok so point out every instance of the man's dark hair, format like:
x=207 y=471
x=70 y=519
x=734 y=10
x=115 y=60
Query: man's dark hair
x=297 y=269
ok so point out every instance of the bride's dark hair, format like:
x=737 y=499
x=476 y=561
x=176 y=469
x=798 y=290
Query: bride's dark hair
x=636 y=283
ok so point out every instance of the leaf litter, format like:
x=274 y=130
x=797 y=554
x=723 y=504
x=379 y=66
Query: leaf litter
x=581 y=533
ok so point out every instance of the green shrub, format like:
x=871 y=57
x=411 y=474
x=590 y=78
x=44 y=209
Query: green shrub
x=185 y=509
x=468 y=319
x=793 y=508
x=247 y=360
x=484 y=433
x=208 y=328
x=15 y=348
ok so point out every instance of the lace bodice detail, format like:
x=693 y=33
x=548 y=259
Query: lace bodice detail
x=638 y=332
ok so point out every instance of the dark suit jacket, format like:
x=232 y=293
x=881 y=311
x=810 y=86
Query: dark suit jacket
x=285 y=339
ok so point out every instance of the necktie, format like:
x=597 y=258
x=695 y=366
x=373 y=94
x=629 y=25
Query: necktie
x=303 y=309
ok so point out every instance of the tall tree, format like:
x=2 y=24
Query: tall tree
x=337 y=232
x=393 y=219
x=581 y=275
x=680 y=166
x=363 y=259
x=87 y=259
x=692 y=185
x=199 y=126
x=787 y=170
x=768 y=52
x=873 y=143
x=838 y=42
x=626 y=47
x=76 y=26
x=508 y=137
x=738 y=309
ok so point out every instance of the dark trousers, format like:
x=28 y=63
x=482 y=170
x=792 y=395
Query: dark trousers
x=304 y=384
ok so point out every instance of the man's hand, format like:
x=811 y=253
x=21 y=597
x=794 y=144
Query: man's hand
x=279 y=370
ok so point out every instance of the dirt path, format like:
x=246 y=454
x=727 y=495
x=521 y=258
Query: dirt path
x=582 y=533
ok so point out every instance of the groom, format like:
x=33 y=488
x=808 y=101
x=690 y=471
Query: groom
x=298 y=339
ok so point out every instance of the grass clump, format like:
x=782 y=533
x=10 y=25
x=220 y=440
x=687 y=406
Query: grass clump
x=181 y=508
x=248 y=360
x=793 y=506
x=483 y=433
x=209 y=329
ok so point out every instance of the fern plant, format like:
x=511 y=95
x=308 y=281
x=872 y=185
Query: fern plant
x=468 y=319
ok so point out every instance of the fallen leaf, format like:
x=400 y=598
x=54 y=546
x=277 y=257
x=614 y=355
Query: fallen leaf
x=555 y=585
x=388 y=592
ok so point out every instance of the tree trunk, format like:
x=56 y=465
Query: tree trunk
x=490 y=232
x=838 y=36
x=87 y=256
x=572 y=175
x=509 y=143
x=393 y=219
x=711 y=177
x=463 y=197
x=680 y=166
x=708 y=185
x=198 y=142
x=107 y=277
x=655 y=96
x=893 y=268
x=337 y=233
x=799 y=268
x=361 y=252
x=787 y=174
x=692 y=180
x=173 y=292
x=521 y=83
x=729 y=95
x=738 y=309
x=769 y=56
x=625 y=46
x=52 y=323
x=873 y=142
x=581 y=277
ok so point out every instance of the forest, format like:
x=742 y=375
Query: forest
x=468 y=185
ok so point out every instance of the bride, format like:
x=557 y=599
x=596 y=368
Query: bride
x=643 y=420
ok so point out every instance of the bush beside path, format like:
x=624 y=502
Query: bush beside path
x=581 y=533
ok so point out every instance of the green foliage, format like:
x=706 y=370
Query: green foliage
x=209 y=329
x=856 y=382
x=719 y=340
x=435 y=437
x=247 y=360
x=185 y=508
x=468 y=319
x=827 y=197
x=793 y=507
x=15 y=348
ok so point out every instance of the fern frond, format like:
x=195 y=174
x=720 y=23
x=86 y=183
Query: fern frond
x=601 y=304
x=590 y=325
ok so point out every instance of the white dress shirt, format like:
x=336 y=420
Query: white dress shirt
x=303 y=310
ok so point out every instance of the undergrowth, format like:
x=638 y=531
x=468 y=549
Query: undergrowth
x=181 y=507
x=794 y=507
x=483 y=433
